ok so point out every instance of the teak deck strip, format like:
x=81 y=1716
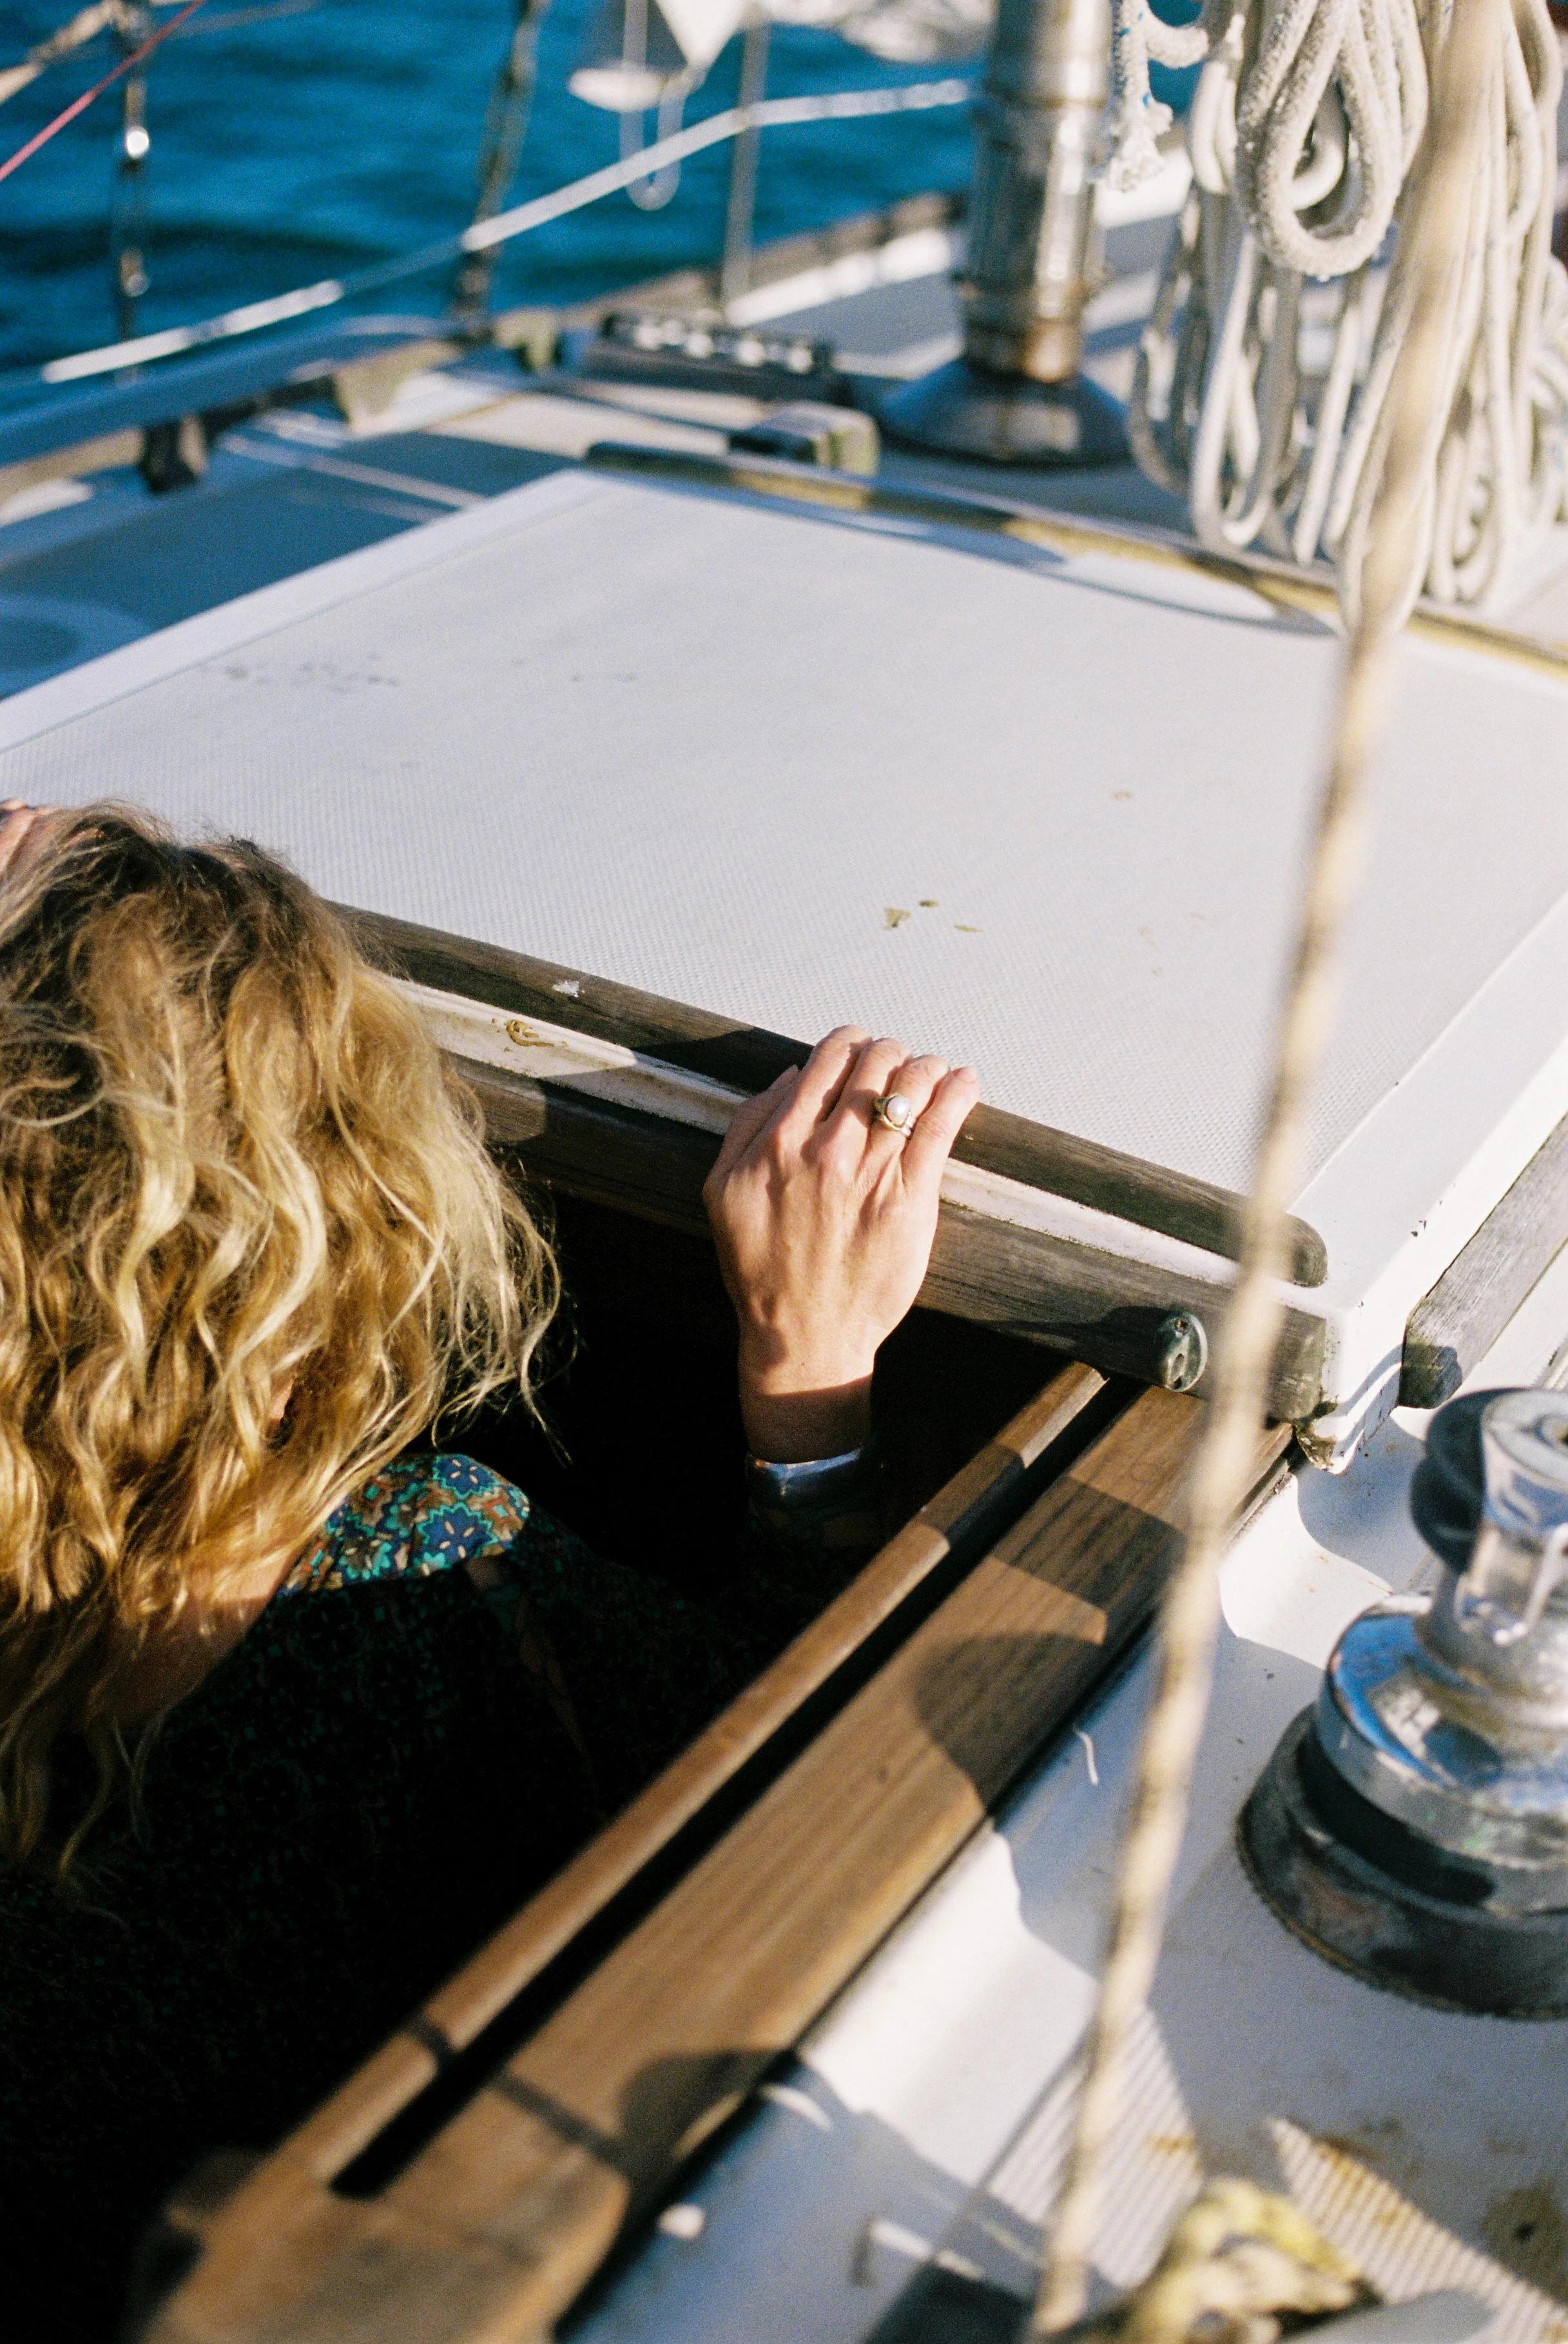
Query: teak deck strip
x=496 y=2226
x=1196 y=1212
x=1454 y=1326
x=1099 y=1307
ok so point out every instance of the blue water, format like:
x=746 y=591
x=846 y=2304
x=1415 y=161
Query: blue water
x=343 y=133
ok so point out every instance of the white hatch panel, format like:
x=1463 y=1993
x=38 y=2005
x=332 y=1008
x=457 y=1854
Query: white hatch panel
x=1045 y=816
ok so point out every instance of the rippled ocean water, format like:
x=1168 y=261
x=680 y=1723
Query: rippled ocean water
x=342 y=132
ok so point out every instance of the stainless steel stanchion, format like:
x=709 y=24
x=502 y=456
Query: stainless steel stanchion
x=1017 y=395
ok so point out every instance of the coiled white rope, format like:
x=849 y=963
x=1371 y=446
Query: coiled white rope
x=1262 y=376
x=1439 y=267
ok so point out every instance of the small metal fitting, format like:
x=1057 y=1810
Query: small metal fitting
x=1181 y=1350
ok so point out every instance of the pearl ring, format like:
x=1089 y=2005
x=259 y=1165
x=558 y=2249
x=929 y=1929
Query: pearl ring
x=894 y=1113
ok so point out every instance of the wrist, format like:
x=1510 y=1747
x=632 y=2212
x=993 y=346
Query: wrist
x=790 y=1425
x=773 y=1364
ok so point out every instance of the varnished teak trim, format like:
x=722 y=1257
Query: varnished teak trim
x=1454 y=1326
x=494 y=2229
x=1099 y=1307
x=956 y=1523
x=748 y=1057
x=1106 y=1306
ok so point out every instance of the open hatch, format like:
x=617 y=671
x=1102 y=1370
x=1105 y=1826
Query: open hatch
x=474 y=2174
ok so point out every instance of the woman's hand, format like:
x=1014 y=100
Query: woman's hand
x=823 y=1221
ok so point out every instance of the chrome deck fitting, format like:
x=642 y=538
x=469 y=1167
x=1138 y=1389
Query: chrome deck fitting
x=1413 y=1826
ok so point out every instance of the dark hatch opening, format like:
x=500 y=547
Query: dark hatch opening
x=643 y=1452
x=642 y=1455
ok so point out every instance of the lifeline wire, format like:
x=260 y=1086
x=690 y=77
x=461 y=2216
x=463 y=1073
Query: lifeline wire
x=1189 y=1617
x=838 y=105
x=80 y=105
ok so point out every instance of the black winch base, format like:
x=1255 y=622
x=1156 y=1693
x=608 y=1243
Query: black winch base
x=1435 y=1943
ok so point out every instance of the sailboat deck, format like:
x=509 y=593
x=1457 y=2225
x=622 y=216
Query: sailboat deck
x=1039 y=804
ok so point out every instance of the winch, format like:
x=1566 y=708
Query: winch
x=1413 y=1826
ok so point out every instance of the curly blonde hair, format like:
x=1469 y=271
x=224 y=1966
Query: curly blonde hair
x=232 y=1169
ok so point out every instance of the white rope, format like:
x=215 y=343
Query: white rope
x=1438 y=265
x=1263 y=375
x=83 y=26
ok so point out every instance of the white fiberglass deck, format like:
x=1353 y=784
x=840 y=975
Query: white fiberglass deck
x=1045 y=816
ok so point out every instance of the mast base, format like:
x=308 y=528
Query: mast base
x=963 y=409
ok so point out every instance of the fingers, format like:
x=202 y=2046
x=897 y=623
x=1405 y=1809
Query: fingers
x=830 y=1101
x=825 y=1074
x=24 y=828
x=845 y=1130
x=751 y=1117
x=19 y=822
x=930 y=1144
x=917 y=1080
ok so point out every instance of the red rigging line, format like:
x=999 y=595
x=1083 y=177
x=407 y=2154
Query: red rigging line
x=80 y=105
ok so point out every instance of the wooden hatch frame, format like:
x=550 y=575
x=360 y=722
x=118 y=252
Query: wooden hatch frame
x=621 y=1097
x=470 y=2179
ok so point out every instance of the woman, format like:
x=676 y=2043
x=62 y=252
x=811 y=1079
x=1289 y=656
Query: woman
x=290 y=1715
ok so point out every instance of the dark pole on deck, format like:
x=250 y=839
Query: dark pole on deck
x=505 y=128
x=127 y=223
x=739 y=210
x=1017 y=395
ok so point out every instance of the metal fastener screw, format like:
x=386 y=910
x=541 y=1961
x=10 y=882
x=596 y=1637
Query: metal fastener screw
x=1181 y=1350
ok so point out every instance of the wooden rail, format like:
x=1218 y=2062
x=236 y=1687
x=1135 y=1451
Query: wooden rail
x=1454 y=1326
x=495 y=2225
x=1101 y=1308
x=609 y=1133
x=728 y=1051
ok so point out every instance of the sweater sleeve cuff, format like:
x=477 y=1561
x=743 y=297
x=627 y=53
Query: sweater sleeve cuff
x=834 y=1497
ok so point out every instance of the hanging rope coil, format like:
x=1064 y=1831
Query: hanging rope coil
x=1330 y=79
x=1403 y=458
x=1262 y=376
x=1136 y=121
